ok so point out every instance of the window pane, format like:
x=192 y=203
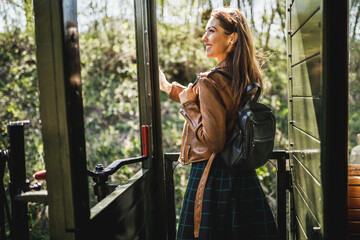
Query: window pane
x=354 y=82
x=110 y=89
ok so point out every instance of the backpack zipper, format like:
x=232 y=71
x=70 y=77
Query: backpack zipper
x=263 y=140
x=253 y=110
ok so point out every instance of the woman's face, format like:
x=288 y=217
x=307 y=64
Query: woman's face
x=216 y=41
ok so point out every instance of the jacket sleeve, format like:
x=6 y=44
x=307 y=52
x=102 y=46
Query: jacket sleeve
x=207 y=119
x=176 y=89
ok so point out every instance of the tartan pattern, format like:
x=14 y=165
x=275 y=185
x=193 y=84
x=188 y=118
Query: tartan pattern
x=234 y=207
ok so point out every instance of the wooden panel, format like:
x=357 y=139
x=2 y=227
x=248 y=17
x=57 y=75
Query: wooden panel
x=353 y=202
x=301 y=11
x=304 y=214
x=309 y=188
x=306 y=78
x=307 y=41
x=136 y=221
x=125 y=212
x=353 y=199
x=354 y=214
x=354 y=169
x=307 y=150
x=353 y=191
x=58 y=67
x=354 y=180
x=145 y=232
x=353 y=236
x=354 y=226
x=301 y=235
x=306 y=114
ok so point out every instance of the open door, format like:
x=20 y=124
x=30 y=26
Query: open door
x=318 y=110
x=134 y=210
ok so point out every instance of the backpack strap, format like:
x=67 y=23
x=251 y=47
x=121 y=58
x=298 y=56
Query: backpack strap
x=222 y=73
x=200 y=196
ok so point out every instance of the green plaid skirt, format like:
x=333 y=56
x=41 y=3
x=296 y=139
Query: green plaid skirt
x=234 y=206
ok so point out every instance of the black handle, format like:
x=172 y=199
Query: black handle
x=251 y=87
x=114 y=166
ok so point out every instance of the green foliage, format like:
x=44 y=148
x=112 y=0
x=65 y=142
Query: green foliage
x=108 y=59
x=18 y=86
x=38 y=222
x=19 y=100
x=354 y=74
x=275 y=93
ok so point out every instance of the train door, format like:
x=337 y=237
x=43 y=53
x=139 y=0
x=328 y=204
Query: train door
x=134 y=210
x=318 y=110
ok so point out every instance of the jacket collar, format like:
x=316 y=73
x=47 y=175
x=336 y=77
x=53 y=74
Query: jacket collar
x=222 y=67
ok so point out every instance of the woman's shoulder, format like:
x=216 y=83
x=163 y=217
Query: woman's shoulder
x=220 y=86
x=218 y=77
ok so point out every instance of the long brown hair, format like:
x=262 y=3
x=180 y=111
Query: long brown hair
x=241 y=59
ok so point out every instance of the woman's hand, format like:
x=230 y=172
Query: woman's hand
x=189 y=94
x=165 y=86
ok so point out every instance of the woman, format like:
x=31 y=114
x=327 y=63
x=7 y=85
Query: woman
x=219 y=204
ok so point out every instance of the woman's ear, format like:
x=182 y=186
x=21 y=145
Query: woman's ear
x=232 y=40
x=233 y=37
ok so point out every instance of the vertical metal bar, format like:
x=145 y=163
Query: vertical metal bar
x=19 y=212
x=160 y=227
x=281 y=195
x=142 y=56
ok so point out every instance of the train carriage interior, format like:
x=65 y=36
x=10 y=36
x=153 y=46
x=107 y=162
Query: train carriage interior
x=89 y=145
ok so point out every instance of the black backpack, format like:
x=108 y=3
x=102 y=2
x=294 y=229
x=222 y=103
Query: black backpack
x=252 y=138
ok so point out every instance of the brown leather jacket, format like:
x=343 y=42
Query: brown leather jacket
x=209 y=119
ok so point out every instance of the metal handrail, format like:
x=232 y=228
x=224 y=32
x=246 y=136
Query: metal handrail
x=100 y=175
x=101 y=172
